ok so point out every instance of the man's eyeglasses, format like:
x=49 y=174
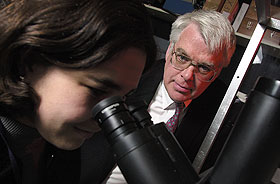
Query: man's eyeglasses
x=204 y=72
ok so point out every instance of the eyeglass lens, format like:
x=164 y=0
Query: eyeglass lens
x=204 y=72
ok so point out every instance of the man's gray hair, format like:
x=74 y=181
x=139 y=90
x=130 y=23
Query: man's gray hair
x=214 y=28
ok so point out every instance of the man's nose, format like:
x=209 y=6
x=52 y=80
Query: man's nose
x=189 y=73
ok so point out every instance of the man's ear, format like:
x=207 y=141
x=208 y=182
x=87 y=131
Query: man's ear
x=168 y=51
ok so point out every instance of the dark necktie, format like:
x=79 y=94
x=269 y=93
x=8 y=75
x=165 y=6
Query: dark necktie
x=172 y=123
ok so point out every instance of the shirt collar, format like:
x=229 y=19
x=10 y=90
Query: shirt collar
x=166 y=101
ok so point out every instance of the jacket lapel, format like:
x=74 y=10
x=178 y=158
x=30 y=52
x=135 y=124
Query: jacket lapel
x=148 y=83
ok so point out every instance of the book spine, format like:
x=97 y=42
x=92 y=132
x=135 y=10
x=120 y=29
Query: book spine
x=240 y=16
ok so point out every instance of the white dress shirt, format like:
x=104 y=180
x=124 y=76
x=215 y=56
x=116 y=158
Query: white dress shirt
x=161 y=108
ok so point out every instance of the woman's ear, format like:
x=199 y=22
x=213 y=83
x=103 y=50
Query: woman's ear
x=21 y=69
x=24 y=63
x=30 y=64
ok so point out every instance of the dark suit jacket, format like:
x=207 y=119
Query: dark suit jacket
x=198 y=118
x=87 y=165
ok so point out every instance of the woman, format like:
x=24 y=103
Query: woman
x=58 y=58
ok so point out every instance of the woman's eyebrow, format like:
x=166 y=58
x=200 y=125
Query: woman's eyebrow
x=106 y=83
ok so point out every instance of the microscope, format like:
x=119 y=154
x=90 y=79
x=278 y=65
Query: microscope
x=148 y=153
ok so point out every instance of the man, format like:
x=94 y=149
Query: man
x=201 y=44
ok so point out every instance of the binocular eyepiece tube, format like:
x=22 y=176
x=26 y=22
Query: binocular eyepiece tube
x=145 y=153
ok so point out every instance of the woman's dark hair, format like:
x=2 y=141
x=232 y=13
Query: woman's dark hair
x=74 y=34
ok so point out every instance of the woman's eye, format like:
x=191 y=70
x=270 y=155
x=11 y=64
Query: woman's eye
x=131 y=92
x=96 y=91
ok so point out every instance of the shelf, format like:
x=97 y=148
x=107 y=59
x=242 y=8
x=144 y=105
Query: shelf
x=270 y=48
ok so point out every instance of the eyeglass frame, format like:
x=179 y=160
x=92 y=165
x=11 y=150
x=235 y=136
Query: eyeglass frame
x=191 y=63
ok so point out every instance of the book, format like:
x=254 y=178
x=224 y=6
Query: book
x=272 y=37
x=213 y=5
x=252 y=11
x=275 y=12
x=250 y=20
x=239 y=17
x=230 y=9
x=247 y=26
